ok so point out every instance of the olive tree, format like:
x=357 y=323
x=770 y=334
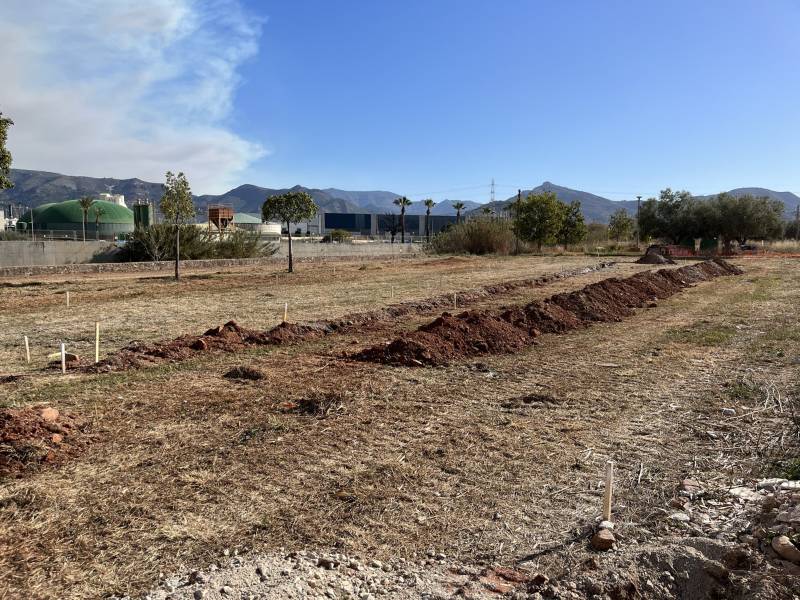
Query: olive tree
x=291 y=207
x=620 y=225
x=538 y=218
x=177 y=206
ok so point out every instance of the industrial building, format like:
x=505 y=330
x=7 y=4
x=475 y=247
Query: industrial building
x=372 y=224
x=64 y=220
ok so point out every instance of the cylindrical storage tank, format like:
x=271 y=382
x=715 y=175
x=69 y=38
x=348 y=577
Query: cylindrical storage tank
x=65 y=219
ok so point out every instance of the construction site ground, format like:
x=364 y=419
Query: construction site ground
x=487 y=462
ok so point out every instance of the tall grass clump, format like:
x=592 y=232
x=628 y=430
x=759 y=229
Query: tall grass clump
x=476 y=236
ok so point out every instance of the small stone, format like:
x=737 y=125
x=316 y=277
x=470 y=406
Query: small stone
x=745 y=493
x=57 y=438
x=226 y=590
x=198 y=577
x=603 y=540
x=790 y=485
x=327 y=563
x=49 y=415
x=770 y=484
x=729 y=412
x=784 y=547
x=680 y=517
x=376 y=564
x=199 y=594
x=605 y=525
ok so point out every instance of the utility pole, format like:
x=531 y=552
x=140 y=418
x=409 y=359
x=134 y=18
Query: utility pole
x=492 y=197
x=516 y=214
x=638 y=214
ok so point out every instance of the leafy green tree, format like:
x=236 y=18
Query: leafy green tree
x=538 y=219
x=620 y=225
x=177 y=206
x=291 y=207
x=5 y=155
x=573 y=229
x=429 y=204
x=85 y=203
x=459 y=206
x=745 y=217
x=670 y=217
x=402 y=203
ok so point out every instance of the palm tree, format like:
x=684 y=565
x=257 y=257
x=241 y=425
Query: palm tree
x=99 y=211
x=86 y=203
x=429 y=204
x=402 y=203
x=459 y=206
x=487 y=210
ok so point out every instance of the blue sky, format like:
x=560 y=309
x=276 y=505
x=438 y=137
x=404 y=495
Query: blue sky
x=430 y=98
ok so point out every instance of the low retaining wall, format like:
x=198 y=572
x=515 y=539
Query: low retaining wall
x=301 y=252
x=15 y=253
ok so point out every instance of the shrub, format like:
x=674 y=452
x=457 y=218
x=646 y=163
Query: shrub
x=477 y=236
x=337 y=235
x=157 y=242
x=243 y=244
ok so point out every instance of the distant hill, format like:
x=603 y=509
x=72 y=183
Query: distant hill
x=790 y=200
x=249 y=198
x=40 y=187
x=596 y=209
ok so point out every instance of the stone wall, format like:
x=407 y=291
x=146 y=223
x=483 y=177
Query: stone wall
x=303 y=252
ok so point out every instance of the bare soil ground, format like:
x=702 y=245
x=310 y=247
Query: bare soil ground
x=486 y=461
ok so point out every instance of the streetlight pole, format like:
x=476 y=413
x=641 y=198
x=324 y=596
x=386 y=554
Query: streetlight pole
x=638 y=222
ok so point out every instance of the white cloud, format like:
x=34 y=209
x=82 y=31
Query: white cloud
x=126 y=88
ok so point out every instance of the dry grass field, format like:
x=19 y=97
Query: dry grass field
x=180 y=463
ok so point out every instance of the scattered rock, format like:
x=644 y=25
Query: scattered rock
x=784 y=547
x=680 y=517
x=745 y=493
x=603 y=540
x=729 y=412
x=49 y=415
x=770 y=484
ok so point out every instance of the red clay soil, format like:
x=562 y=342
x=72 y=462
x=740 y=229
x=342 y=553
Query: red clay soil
x=474 y=333
x=33 y=437
x=231 y=337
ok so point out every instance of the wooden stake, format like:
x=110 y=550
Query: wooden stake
x=27 y=350
x=391 y=294
x=608 y=491
x=285 y=311
x=63 y=358
x=67 y=298
x=455 y=301
x=97 y=342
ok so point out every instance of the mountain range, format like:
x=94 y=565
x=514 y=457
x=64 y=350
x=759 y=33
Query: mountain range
x=597 y=209
x=33 y=188
x=39 y=187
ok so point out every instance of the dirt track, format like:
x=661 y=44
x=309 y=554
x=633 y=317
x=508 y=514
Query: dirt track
x=187 y=463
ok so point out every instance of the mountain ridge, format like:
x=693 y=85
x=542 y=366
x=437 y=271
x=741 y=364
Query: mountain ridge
x=40 y=187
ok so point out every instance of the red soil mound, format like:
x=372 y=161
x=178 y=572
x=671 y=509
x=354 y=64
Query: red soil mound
x=231 y=337
x=33 y=437
x=475 y=333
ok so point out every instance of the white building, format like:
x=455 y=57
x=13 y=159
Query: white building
x=115 y=198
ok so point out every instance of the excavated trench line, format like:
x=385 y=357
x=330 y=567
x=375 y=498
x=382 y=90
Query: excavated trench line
x=474 y=333
x=230 y=337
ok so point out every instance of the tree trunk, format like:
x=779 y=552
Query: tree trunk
x=428 y=226
x=289 y=230
x=84 y=228
x=403 y=226
x=177 y=251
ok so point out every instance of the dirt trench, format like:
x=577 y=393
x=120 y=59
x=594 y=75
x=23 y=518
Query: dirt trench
x=231 y=337
x=473 y=333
